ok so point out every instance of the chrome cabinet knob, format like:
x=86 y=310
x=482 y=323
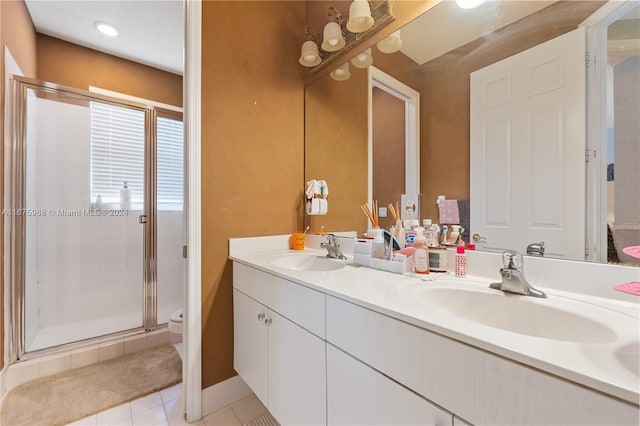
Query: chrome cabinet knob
x=478 y=237
x=261 y=317
x=268 y=322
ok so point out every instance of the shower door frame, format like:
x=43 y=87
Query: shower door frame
x=15 y=225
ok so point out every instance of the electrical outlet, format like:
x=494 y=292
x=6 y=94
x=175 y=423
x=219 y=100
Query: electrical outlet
x=382 y=211
x=410 y=206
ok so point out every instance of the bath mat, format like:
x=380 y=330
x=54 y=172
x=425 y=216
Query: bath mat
x=632 y=251
x=264 y=420
x=632 y=287
x=78 y=393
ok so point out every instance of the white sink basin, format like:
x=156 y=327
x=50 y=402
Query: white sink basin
x=527 y=315
x=306 y=262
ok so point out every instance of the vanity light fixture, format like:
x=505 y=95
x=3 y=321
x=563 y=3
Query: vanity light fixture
x=363 y=60
x=360 y=19
x=309 y=54
x=333 y=40
x=390 y=44
x=341 y=73
x=106 y=29
x=469 y=4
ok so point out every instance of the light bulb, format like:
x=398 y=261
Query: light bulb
x=310 y=58
x=339 y=72
x=106 y=29
x=362 y=57
x=333 y=41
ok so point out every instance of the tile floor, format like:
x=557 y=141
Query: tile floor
x=165 y=408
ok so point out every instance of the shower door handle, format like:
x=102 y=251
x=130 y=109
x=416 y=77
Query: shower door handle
x=142 y=219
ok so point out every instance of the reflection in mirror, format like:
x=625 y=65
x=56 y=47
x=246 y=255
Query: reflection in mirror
x=623 y=130
x=442 y=77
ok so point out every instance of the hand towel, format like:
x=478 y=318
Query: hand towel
x=449 y=213
x=465 y=217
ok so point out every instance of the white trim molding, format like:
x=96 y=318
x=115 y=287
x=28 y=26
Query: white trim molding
x=192 y=363
x=411 y=99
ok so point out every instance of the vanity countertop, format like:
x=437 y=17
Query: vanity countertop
x=610 y=366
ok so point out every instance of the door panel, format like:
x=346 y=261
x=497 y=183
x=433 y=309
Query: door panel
x=527 y=149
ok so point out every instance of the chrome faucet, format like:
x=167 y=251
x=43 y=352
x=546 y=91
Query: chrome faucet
x=513 y=280
x=333 y=248
x=536 y=249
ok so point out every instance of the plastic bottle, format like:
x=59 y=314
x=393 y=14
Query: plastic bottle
x=125 y=197
x=421 y=255
x=377 y=246
x=461 y=262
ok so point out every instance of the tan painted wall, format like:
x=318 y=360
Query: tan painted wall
x=16 y=33
x=388 y=151
x=252 y=148
x=336 y=149
x=76 y=66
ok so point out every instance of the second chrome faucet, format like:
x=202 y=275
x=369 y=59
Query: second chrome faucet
x=513 y=280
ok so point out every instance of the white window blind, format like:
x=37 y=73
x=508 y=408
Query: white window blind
x=117 y=152
x=170 y=163
x=117 y=156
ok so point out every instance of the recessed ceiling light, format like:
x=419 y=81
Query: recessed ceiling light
x=106 y=29
x=469 y=4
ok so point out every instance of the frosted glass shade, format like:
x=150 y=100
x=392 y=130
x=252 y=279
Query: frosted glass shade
x=341 y=73
x=390 y=44
x=332 y=39
x=363 y=60
x=360 y=19
x=309 y=55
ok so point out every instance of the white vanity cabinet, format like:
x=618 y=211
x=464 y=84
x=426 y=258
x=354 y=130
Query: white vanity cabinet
x=359 y=395
x=275 y=352
x=478 y=386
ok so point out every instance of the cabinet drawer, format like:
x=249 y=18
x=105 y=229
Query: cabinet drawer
x=300 y=304
x=476 y=385
x=359 y=395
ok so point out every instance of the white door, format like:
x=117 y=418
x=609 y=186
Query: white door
x=250 y=344
x=297 y=374
x=528 y=149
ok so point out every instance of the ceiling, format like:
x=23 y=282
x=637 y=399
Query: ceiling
x=446 y=26
x=151 y=31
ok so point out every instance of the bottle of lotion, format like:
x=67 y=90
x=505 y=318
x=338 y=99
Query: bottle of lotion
x=125 y=197
x=461 y=262
x=421 y=254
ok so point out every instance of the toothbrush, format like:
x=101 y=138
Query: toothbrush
x=443 y=234
x=459 y=236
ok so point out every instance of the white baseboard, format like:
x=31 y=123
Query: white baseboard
x=222 y=394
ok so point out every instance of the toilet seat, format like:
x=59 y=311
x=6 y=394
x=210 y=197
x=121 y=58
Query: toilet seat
x=175 y=322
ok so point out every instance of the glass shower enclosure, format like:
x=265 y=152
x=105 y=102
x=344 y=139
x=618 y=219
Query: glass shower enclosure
x=81 y=236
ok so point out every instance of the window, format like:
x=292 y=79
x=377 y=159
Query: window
x=117 y=156
x=170 y=164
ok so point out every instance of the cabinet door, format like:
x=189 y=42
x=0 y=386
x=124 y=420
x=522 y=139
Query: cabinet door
x=359 y=395
x=250 y=345
x=297 y=374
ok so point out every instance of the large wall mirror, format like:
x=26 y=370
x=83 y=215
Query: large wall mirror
x=441 y=49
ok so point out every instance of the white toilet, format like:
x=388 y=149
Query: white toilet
x=175 y=322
